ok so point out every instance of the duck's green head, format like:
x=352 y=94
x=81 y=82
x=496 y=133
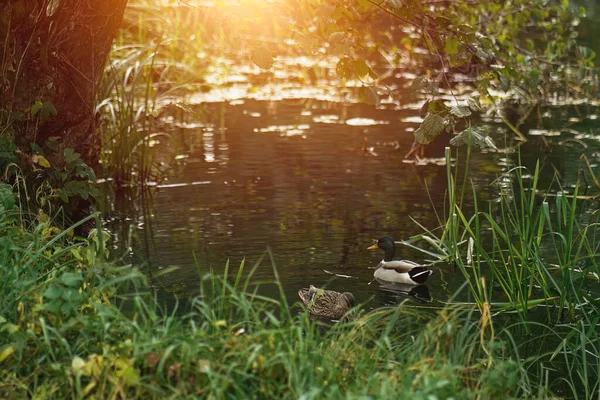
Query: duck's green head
x=386 y=244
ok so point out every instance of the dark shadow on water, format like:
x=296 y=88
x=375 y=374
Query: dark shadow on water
x=398 y=292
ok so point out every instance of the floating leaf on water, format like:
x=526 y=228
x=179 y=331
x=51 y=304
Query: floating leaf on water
x=432 y=126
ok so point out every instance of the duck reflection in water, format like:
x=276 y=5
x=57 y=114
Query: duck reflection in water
x=393 y=292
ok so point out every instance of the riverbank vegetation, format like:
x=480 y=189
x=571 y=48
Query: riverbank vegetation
x=78 y=326
x=79 y=322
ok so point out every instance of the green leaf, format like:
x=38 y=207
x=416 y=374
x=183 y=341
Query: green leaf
x=43 y=162
x=71 y=295
x=53 y=292
x=67 y=308
x=424 y=109
x=345 y=68
x=432 y=126
x=77 y=254
x=451 y=46
x=53 y=307
x=52 y=145
x=50 y=109
x=437 y=106
x=6 y=352
x=460 y=111
x=36 y=107
x=423 y=83
x=361 y=68
x=504 y=83
x=420 y=83
x=473 y=104
x=71 y=156
x=35 y=147
x=63 y=195
x=477 y=136
x=263 y=58
x=7 y=198
x=71 y=279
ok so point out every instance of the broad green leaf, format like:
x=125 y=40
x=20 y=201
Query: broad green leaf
x=504 y=83
x=36 y=107
x=6 y=352
x=77 y=253
x=71 y=156
x=423 y=83
x=63 y=195
x=263 y=58
x=53 y=306
x=460 y=111
x=49 y=108
x=361 y=68
x=71 y=295
x=477 y=136
x=432 y=126
x=52 y=145
x=424 y=109
x=7 y=198
x=71 y=279
x=42 y=161
x=419 y=83
x=451 y=46
x=35 y=147
x=345 y=68
x=52 y=292
x=473 y=104
x=437 y=106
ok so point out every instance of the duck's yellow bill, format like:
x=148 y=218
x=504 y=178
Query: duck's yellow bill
x=374 y=247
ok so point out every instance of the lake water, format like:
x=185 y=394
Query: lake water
x=270 y=163
x=317 y=183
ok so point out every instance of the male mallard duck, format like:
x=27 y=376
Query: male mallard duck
x=399 y=271
x=326 y=303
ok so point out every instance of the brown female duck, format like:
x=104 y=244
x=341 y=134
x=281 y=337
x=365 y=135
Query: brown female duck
x=326 y=303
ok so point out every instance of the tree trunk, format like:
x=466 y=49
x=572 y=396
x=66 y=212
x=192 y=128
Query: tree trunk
x=55 y=51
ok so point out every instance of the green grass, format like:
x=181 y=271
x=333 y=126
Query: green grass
x=77 y=326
